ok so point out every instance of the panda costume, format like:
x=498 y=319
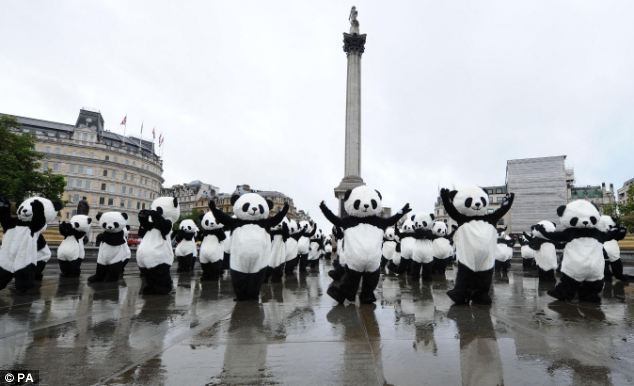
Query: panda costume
x=212 y=247
x=504 y=253
x=303 y=244
x=18 y=252
x=582 y=267
x=442 y=248
x=527 y=253
x=154 y=254
x=363 y=239
x=279 y=235
x=71 y=253
x=328 y=248
x=543 y=250
x=475 y=241
x=226 y=245
x=250 y=241
x=113 y=247
x=389 y=247
x=612 y=253
x=315 y=250
x=407 y=244
x=423 y=253
x=338 y=264
x=128 y=252
x=294 y=233
x=43 y=256
x=186 y=249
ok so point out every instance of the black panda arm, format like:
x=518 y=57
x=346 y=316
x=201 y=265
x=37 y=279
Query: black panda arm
x=493 y=218
x=38 y=221
x=65 y=229
x=560 y=237
x=614 y=234
x=161 y=223
x=41 y=242
x=391 y=221
x=179 y=236
x=311 y=233
x=6 y=221
x=334 y=219
x=285 y=232
x=278 y=218
x=450 y=208
x=221 y=217
x=99 y=239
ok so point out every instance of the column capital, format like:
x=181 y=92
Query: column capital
x=353 y=43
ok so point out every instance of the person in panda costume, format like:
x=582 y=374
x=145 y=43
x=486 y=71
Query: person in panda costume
x=315 y=249
x=612 y=253
x=504 y=252
x=527 y=253
x=442 y=248
x=186 y=249
x=303 y=244
x=18 y=252
x=423 y=253
x=338 y=264
x=71 y=253
x=408 y=243
x=363 y=239
x=475 y=241
x=543 y=250
x=328 y=248
x=291 y=248
x=250 y=241
x=154 y=254
x=582 y=267
x=389 y=247
x=211 y=248
x=279 y=235
x=113 y=247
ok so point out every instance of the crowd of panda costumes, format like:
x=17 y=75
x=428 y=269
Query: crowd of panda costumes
x=212 y=247
x=291 y=247
x=407 y=245
x=328 y=248
x=475 y=241
x=279 y=236
x=250 y=241
x=423 y=253
x=543 y=251
x=154 y=254
x=186 y=251
x=442 y=247
x=388 y=248
x=303 y=244
x=504 y=252
x=582 y=267
x=18 y=252
x=71 y=253
x=363 y=232
x=113 y=247
x=315 y=250
x=612 y=253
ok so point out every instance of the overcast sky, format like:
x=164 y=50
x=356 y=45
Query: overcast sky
x=254 y=91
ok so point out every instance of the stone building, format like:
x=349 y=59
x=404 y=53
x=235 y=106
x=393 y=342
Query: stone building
x=114 y=172
x=598 y=194
x=622 y=192
x=192 y=196
x=223 y=201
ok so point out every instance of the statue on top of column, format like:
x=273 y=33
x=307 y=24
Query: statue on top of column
x=354 y=23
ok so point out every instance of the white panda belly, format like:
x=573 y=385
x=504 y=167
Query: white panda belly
x=613 y=250
x=442 y=248
x=328 y=248
x=476 y=245
x=154 y=250
x=313 y=251
x=527 y=252
x=226 y=243
x=291 y=249
x=504 y=252
x=186 y=247
x=110 y=254
x=303 y=245
x=68 y=249
x=363 y=244
x=250 y=248
x=18 y=249
x=583 y=259
x=389 y=247
x=423 y=251
x=340 y=252
x=407 y=247
x=546 y=257
x=278 y=252
x=211 y=250
x=44 y=254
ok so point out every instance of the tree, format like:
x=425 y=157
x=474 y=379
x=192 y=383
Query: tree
x=19 y=163
x=626 y=209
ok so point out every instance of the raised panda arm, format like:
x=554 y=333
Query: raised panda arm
x=391 y=221
x=311 y=233
x=178 y=236
x=99 y=239
x=65 y=229
x=453 y=232
x=6 y=221
x=614 y=234
x=38 y=221
x=162 y=224
x=41 y=242
x=560 y=237
x=229 y=222
x=334 y=219
x=445 y=196
x=493 y=218
x=273 y=221
x=144 y=223
x=285 y=232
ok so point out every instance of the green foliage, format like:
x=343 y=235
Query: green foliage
x=19 y=162
x=195 y=215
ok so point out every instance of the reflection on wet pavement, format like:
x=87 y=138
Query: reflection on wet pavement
x=77 y=334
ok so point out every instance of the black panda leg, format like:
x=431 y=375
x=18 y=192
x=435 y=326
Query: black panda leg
x=63 y=267
x=589 y=291
x=225 y=261
x=427 y=271
x=255 y=285
x=276 y=275
x=441 y=266
x=481 y=287
x=328 y=255
x=289 y=267
x=369 y=284
x=39 y=270
x=337 y=272
x=239 y=281
x=546 y=276
x=206 y=268
x=414 y=270
x=5 y=278
x=566 y=289
x=383 y=264
x=99 y=275
x=617 y=270
x=350 y=284
x=215 y=271
x=113 y=272
x=303 y=263
x=25 y=278
x=461 y=292
x=160 y=282
x=267 y=274
x=123 y=264
x=528 y=264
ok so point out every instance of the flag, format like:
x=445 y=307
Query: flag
x=153 y=133
x=125 y=120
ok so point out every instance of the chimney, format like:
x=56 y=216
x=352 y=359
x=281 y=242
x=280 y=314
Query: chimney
x=611 y=187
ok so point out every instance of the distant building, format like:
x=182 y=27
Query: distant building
x=223 y=201
x=598 y=195
x=112 y=171
x=622 y=192
x=192 y=196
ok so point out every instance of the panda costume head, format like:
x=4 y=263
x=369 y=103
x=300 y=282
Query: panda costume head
x=167 y=207
x=439 y=228
x=390 y=234
x=293 y=227
x=363 y=201
x=188 y=226
x=81 y=223
x=208 y=222
x=251 y=206
x=25 y=210
x=549 y=226
x=407 y=226
x=606 y=223
x=470 y=201
x=422 y=221
x=578 y=214
x=112 y=222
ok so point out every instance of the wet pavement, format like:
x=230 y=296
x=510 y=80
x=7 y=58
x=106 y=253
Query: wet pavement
x=75 y=334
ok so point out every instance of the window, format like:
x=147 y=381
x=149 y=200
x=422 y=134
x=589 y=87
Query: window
x=87 y=184
x=498 y=190
x=138 y=205
x=82 y=169
x=75 y=198
x=122 y=204
x=78 y=183
x=110 y=201
x=122 y=189
x=102 y=200
x=143 y=206
x=88 y=171
x=105 y=172
x=107 y=159
x=131 y=192
x=103 y=187
x=113 y=174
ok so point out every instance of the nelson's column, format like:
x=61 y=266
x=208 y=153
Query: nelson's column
x=353 y=46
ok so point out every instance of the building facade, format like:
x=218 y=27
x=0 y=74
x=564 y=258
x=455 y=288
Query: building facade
x=114 y=172
x=622 y=192
x=193 y=196
x=223 y=201
x=597 y=194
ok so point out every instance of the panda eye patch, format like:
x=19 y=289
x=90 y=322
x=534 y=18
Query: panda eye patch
x=357 y=204
x=425 y=224
x=104 y=225
x=245 y=207
x=574 y=221
x=593 y=220
x=76 y=225
x=468 y=202
x=484 y=202
x=374 y=204
x=116 y=225
x=206 y=222
x=261 y=209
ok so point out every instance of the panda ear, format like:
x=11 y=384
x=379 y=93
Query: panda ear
x=379 y=193
x=58 y=205
x=432 y=216
x=595 y=205
x=124 y=215
x=412 y=218
x=452 y=194
x=127 y=226
x=200 y=217
x=175 y=201
x=88 y=220
x=269 y=203
x=561 y=210
x=234 y=198
x=98 y=216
